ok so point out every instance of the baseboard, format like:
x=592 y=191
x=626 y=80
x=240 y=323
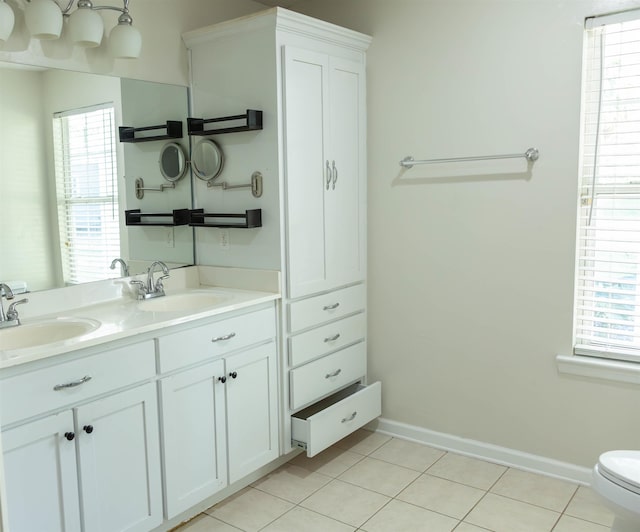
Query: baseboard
x=484 y=451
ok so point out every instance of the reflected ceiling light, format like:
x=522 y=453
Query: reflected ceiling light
x=86 y=27
x=7 y=19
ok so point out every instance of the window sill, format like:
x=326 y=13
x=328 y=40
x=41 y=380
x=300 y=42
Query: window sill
x=599 y=368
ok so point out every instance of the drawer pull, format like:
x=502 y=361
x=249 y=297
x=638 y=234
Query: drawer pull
x=331 y=307
x=350 y=418
x=334 y=374
x=69 y=436
x=222 y=338
x=332 y=338
x=72 y=384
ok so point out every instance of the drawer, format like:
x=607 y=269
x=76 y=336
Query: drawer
x=316 y=342
x=215 y=339
x=328 y=421
x=321 y=377
x=326 y=307
x=33 y=393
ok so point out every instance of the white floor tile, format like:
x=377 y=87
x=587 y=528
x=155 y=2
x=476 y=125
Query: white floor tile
x=332 y=462
x=465 y=470
x=363 y=441
x=292 y=483
x=408 y=454
x=382 y=477
x=398 y=516
x=573 y=524
x=500 y=514
x=206 y=523
x=301 y=519
x=586 y=505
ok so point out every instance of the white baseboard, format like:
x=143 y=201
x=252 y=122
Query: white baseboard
x=484 y=451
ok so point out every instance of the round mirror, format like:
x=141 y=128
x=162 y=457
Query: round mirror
x=207 y=160
x=173 y=163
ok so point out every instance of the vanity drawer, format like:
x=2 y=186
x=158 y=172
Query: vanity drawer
x=328 y=421
x=327 y=374
x=326 y=307
x=33 y=393
x=215 y=339
x=316 y=342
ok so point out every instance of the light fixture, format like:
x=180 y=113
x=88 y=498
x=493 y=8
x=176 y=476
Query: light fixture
x=7 y=19
x=86 y=27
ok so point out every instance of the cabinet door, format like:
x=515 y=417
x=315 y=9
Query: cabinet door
x=41 y=476
x=345 y=201
x=252 y=415
x=306 y=89
x=193 y=435
x=119 y=460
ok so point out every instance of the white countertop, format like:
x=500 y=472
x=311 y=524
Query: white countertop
x=123 y=316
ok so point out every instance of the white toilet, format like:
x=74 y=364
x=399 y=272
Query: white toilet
x=616 y=478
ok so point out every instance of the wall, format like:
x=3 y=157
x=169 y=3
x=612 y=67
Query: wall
x=161 y=23
x=471 y=279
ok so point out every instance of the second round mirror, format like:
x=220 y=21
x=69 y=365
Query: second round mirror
x=207 y=160
x=173 y=163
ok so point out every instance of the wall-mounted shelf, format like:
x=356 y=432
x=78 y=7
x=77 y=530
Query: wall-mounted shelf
x=251 y=218
x=252 y=121
x=173 y=130
x=177 y=217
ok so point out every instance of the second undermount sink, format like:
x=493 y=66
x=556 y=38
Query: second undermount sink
x=44 y=332
x=185 y=302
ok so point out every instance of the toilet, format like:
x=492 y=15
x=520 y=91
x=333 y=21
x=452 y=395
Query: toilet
x=616 y=479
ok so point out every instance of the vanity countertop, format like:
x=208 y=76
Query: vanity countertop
x=123 y=316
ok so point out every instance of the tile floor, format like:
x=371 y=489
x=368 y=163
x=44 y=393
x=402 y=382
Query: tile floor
x=375 y=483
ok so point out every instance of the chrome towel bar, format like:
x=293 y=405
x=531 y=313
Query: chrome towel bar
x=530 y=155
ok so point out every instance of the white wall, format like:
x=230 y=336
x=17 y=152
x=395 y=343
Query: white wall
x=471 y=279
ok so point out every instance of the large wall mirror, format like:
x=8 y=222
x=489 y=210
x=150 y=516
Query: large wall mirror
x=52 y=128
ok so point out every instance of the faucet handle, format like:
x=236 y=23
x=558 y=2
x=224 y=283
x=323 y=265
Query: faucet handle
x=159 y=284
x=12 y=313
x=141 y=288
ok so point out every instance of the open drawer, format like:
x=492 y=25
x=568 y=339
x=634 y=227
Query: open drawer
x=321 y=425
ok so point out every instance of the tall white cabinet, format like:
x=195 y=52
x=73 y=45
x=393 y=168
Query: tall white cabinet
x=308 y=78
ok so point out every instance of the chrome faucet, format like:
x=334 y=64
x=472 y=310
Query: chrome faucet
x=10 y=319
x=150 y=289
x=124 y=269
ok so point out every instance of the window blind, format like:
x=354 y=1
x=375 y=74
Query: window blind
x=607 y=306
x=86 y=190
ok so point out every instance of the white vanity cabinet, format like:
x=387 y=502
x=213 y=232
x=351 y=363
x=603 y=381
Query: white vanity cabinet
x=81 y=444
x=219 y=414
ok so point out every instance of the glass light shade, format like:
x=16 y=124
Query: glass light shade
x=44 y=19
x=86 y=27
x=125 y=42
x=7 y=19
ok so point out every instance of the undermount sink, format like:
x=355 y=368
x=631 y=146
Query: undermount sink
x=45 y=332
x=188 y=301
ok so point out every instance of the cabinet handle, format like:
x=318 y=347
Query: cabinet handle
x=222 y=379
x=335 y=175
x=69 y=435
x=222 y=338
x=233 y=374
x=334 y=374
x=350 y=418
x=332 y=338
x=72 y=384
x=328 y=174
x=88 y=429
x=331 y=307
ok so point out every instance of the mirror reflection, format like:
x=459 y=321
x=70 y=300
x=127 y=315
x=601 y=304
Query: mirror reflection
x=207 y=160
x=65 y=180
x=173 y=164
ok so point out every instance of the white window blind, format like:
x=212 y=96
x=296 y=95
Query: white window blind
x=87 y=194
x=607 y=307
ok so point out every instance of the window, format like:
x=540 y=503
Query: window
x=607 y=306
x=86 y=190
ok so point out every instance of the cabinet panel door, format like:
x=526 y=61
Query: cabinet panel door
x=193 y=435
x=120 y=462
x=252 y=415
x=345 y=201
x=306 y=86
x=41 y=476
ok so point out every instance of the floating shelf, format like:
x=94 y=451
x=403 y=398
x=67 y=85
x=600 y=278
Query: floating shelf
x=252 y=218
x=173 y=131
x=177 y=217
x=252 y=118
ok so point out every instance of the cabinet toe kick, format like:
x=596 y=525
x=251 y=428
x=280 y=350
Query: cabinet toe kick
x=321 y=425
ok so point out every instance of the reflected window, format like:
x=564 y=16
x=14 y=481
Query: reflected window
x=87 y=194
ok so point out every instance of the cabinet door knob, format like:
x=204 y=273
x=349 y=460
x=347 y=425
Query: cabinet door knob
x=88 y=429
x=69 y=435
x=222 y=379
x=233 y=374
